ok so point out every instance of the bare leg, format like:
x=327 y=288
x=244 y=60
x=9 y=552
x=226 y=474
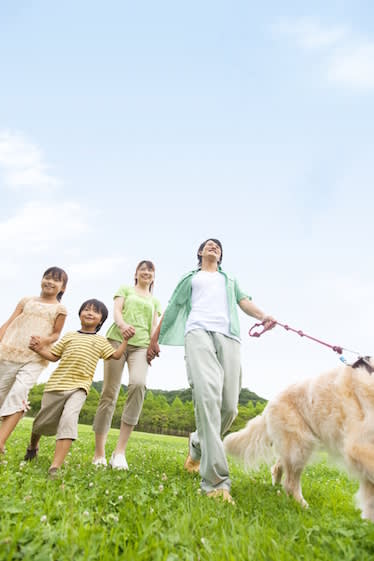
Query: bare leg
x=100 y=440
x=61 y=450
x=7 y=427
x=124 y=435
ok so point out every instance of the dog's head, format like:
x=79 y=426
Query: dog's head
x=366 y=362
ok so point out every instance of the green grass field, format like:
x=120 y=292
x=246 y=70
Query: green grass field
x=155 y=511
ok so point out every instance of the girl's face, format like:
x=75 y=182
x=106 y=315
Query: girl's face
x=144 y=275
x=51 y=286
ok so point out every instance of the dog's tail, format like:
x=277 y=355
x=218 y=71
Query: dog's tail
x=252 y=444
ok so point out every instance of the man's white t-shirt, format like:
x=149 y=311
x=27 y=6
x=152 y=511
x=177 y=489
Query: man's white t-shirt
x=209 y=304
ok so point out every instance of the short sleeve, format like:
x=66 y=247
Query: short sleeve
x=122 y=292
x=58 y=348
x=157 y=306
x=239 y=294
x=61 y=310
x=107 y=350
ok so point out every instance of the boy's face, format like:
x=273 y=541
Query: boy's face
x=90 y=318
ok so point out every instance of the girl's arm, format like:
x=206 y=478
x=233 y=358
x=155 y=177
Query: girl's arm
x=17 y=312
x=124 y=328
x=121 y=349
x=40 y=342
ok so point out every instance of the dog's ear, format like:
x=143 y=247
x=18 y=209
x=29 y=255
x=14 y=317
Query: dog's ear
x=364 y=361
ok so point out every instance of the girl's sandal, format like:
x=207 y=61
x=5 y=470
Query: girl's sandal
x=31 y=453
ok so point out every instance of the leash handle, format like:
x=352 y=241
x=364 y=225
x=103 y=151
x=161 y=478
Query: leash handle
x=256 y=332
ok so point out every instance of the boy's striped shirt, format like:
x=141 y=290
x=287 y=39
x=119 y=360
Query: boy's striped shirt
x=80 y=353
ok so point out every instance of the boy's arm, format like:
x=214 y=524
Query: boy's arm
x=44 y=352
x=40 y=342
x=17 y=312
x=121 y=349
x=124 y=328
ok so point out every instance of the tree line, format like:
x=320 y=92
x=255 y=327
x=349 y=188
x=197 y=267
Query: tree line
x=164 y=412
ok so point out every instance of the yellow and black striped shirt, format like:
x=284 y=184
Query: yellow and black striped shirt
x=80 y=353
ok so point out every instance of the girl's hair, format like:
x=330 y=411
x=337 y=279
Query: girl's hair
x=99 y=307
x=201 y=247
x=149 y=266
x=59 y=275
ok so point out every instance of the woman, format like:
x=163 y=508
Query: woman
x=135 y=307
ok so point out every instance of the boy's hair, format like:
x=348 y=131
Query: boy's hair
x=149 y=266
x=59 y=275
x=201 y=247
x=99 y=308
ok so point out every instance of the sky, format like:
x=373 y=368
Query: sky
x=136 y=130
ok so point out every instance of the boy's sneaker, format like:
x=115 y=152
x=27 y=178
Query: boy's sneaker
x=100 y=461
x=118 y=461
x=31 y=453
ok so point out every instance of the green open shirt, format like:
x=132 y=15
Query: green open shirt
x=179 y=306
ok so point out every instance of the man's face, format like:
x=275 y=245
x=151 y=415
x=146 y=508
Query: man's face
x=211 y=250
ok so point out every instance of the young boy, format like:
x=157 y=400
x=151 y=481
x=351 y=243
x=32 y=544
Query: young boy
x=68 y=386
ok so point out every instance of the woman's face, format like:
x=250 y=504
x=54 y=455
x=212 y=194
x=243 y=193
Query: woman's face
x=144 y=275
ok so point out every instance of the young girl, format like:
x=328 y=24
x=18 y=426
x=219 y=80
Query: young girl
x=41 y=317
x=134 y=307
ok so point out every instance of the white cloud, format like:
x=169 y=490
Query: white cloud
x=348 y=59
x=37 y=226
x=309 y=34
x=353 y=66
x=22 y=163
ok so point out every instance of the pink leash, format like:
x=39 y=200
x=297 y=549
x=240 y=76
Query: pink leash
x=254 y=332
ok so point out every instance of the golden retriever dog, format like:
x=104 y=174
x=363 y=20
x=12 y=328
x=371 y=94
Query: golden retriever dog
x=334 y=411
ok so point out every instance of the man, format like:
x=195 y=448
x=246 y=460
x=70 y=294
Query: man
x=202 y=315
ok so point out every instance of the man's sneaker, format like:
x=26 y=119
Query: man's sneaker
x=222 y=494
x=191 y=465
x=100 y=461
x=53 y=473
x=118 y=461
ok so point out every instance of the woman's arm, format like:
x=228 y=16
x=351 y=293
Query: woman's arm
x=125 y=328
x=154 y=348
x=17 y=312
x=123 y=346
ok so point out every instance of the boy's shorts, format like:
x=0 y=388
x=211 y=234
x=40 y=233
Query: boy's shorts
x=59 y=414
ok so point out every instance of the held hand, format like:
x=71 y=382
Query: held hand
x=269 y=322
x=153 y=351
x=130 y=332
x=127 y=331
x=37 y=343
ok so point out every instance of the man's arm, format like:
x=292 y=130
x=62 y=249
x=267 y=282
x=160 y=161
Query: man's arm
x=252 y=310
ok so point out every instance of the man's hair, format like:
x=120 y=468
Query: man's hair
x=201 y=247
x=99 y=308
x=58 y=275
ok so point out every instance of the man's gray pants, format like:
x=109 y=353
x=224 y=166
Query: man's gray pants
x=214 y=374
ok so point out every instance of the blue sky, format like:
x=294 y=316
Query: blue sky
x=137 y=130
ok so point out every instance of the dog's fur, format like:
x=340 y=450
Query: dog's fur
x=334 y=411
